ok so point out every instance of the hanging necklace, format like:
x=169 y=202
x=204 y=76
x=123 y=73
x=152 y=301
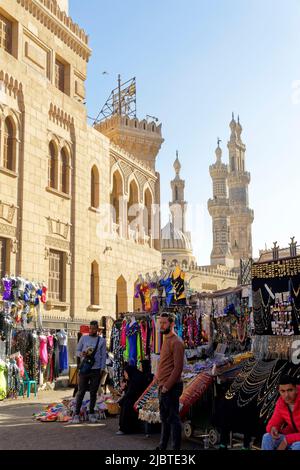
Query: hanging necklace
x=296 y=292
x=253 y=383
x=241 y=377
x=269 y=392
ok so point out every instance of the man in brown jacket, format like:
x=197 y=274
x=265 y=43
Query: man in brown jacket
x=169 y=382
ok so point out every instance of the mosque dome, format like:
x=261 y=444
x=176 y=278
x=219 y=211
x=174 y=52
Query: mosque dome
x=175 y=239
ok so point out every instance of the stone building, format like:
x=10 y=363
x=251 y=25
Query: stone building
x=58 y=175
x=231 y=216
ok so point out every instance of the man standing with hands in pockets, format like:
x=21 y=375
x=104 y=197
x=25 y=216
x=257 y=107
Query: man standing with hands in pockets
x=169 y=382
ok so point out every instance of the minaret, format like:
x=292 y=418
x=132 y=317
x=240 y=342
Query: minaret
x=218 y=208
x=241 y=217
x=176 y=242
x=178 y=205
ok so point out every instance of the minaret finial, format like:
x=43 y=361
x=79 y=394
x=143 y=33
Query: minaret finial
x=219 y=151
x=232 y=115
x=177 y=165
x=238 y=118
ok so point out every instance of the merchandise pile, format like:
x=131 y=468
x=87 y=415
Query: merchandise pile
x=63 y=412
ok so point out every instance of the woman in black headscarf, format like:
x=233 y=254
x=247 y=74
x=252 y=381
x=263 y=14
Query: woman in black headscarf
x=135 y=384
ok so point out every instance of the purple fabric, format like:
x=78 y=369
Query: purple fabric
x=7 y=289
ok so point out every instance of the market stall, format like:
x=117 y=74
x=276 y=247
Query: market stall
x=216 y=330
x=27 y=350
x=251 y=398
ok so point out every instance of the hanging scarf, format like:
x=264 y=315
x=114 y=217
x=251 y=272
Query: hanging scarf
x=178 y=283
x=145 y=289
x=139 y=293
x=168 y=286
x=144 y=335
x=123 y=334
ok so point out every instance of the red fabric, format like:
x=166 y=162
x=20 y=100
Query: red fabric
x=123 y=335
x=191 y=393
x=281 y=417
x=194 y=391
x=84 y=329
x=44 y=295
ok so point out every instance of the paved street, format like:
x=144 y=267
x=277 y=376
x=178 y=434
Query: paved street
x=19 y=430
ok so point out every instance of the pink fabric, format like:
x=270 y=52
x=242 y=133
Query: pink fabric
x=43 y=350
x=123 y=335
x=152 y=341
x=50 y=341
x=20 y=364
x=144 y=332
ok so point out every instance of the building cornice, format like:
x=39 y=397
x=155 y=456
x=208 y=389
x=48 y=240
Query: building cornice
x=56 y=20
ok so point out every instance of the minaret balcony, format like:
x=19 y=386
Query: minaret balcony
x=218 y=207
x=218 y=170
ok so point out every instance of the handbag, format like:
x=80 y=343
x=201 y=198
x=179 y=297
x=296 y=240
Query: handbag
x=88 y=361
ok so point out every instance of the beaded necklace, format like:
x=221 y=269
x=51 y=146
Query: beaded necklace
x=260 y=312
x=269 y=392
x=253 y=383
x=241 y=377
x=296 y=292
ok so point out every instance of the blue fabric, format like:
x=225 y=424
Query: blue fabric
x=63 y=357
x=131 y=333
x=268 y=443
x=179 y=326
x=167 y=284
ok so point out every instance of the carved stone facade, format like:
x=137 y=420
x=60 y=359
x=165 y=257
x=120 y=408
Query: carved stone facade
x=141 y=139
x=42 y=92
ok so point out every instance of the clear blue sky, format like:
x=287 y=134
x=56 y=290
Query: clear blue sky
x=196 y=61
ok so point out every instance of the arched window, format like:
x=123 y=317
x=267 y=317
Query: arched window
x=95 y=197
x=121 y=296
x=64 y=172
x=52 y=168
x=133 y=201
x=8 y=155
x=116 y=194
x=95 y=299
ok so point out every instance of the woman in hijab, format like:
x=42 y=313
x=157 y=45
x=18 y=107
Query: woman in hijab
x=135 y=385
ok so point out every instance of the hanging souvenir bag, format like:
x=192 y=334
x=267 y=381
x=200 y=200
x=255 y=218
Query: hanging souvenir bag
x=88 y=361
